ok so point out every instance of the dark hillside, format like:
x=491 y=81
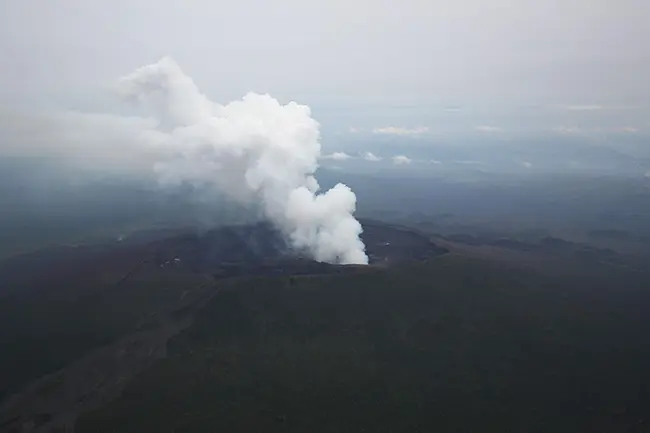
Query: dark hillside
x=448 y=345
x=60 y=303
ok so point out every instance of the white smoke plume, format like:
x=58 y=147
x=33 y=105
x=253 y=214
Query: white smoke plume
x=254 y=150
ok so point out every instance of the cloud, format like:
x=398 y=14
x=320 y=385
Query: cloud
x=598 y=107
x=647 y=174
x=594 y=132
x=583 y=107
x=369 y=156
x=488 y=129
x=434 y=161
x=401 y=160
x=394 y=130
x=354 y=130
x=104 y=142
x=468 y=162
x=527 y=164
x=567 y=130
x=338 y=156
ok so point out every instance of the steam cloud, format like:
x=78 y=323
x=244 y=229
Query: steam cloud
x=254 y=150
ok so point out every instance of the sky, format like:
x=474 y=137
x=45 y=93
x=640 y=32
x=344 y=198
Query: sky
x=572 y=52
x=411 y=68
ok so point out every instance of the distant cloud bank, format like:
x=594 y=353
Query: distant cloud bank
x=597 y=107
x=576 y=130
x=401 y=160
x=395 y=130
x=488 y=129
x=369 y=156
x=566 y=130
x=338 y=156
x=583 y=107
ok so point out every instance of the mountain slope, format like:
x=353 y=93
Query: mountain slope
x=451 y=344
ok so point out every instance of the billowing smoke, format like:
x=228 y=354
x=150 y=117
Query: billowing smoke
x=255 y=150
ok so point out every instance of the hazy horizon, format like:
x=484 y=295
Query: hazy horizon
x=495 y=83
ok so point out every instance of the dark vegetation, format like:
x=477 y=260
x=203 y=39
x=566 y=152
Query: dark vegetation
x=64 y=315
x=452 y=344
x=449 y=329
x=58 y=303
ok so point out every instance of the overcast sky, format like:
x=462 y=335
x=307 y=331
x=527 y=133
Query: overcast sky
x=393 y=67
x=407 y=51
